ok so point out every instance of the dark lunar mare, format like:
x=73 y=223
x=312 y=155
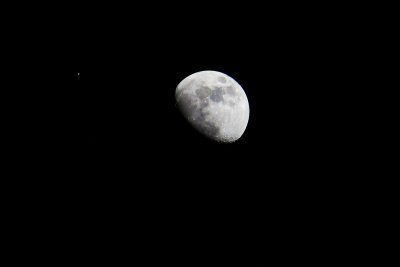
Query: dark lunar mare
x=217 y=95
x=203 y=92
x=230 y=90
x=222 y=79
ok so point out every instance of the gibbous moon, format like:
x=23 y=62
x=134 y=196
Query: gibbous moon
x=214 y=104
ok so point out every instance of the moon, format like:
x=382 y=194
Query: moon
x=214 y=104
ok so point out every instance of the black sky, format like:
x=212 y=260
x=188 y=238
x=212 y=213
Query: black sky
x=140 y=187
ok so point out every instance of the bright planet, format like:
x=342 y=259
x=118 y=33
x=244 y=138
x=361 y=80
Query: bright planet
x=214 y=104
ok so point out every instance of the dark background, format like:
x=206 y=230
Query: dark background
x=132 y=184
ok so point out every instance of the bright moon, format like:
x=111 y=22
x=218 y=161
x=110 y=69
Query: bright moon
x=214 y=104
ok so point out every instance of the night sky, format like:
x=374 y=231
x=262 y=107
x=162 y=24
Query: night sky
x=139 y=186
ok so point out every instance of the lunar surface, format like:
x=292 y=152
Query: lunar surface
x=214 y=104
